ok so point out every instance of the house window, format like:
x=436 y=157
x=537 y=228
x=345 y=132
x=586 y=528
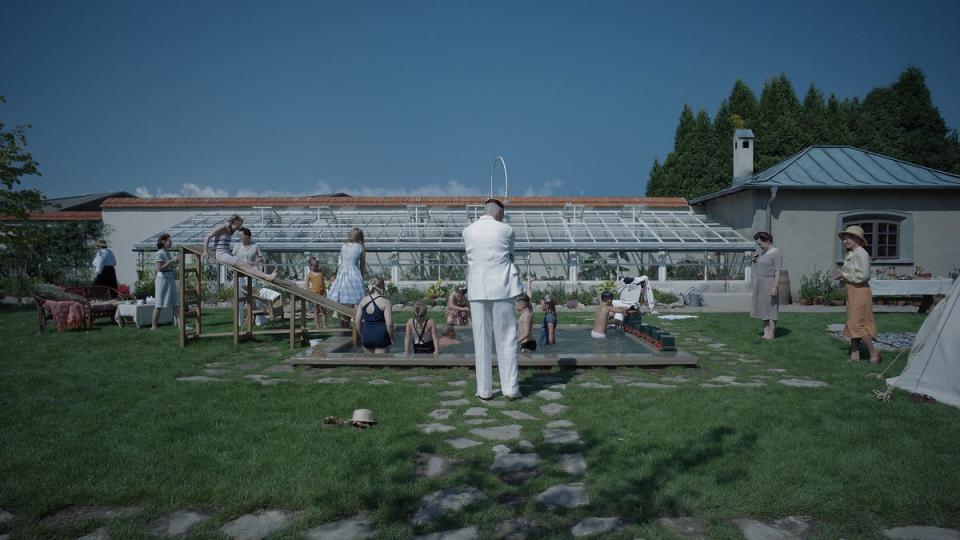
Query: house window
x=889 y=234
x=746 y=144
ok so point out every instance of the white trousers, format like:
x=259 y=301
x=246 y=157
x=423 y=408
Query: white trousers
x=495 y=320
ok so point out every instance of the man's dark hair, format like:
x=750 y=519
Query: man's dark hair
x=245 y=231
x=494 y=201
x=606 y=295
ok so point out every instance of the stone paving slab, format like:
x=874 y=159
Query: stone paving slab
x=460 y=443
x=355 y=528
x=549 y=395
x=78 y=514
x=440 y=414
x=623 y=379
x=788 y=528
x=519 y=415
x=435 y=428
x=457 y=383
x=596 y=386
x=431 y=466
x=593 y=526
x=553 y=409
x=279 y=368
x=258 y=525
x=564 y=496
x=559 y=424
x=467 y=533
x=98 y=534
x=479 y=421
x=515 y=529
x=561 y=436
x=178 y=522
x=475 y=411
x=451 y=393
x=454 y=402
x=573 y=464
x=5 y=516
x=921 y=533
x=378 y=382
x=422 y=378
x=216 y=372
x=445 y=501
x=500 y=449
x=498 y=433
x=333 y=380
x=652 y=385
x=526 y=445
x=199 y=378
x=675 y=379
x=514 y=462
x=685 y=527
x=803 y=383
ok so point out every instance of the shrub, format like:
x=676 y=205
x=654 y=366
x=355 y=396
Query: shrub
x=819 y=286
x=663 y=297
x=18 y=286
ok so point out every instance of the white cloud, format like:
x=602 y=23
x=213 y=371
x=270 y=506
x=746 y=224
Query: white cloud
x=547 y=189
x=189 y=189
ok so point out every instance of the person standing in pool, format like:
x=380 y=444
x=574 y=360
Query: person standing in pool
x=493 y=281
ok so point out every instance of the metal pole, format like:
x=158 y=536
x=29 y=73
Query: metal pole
x=493 y=169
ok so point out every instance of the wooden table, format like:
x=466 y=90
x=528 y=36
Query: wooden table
x=925 y=288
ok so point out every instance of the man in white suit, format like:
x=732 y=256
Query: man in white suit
x=492 y=283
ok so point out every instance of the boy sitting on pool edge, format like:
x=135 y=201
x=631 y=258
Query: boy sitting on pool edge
x=604 y=310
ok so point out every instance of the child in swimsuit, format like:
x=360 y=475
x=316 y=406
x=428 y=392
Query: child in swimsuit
x=602 y=315
x=549 y=306
x=525 y=324
x=421 y=332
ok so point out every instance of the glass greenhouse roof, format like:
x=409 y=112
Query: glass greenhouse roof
x=422 y=228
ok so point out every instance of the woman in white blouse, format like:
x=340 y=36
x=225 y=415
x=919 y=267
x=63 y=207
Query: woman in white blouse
x=856 y=279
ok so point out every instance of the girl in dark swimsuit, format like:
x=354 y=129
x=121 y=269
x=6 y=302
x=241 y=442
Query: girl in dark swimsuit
x=422 y=332
x=375 y=318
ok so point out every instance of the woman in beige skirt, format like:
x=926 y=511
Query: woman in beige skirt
x=856 y=279
x=766 y=295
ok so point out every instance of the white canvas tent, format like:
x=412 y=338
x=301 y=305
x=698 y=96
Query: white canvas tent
x=934 y=364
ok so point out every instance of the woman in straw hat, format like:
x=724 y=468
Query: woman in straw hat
x=856 y=278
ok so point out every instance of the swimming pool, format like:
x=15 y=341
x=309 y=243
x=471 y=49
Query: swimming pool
x=574 y=347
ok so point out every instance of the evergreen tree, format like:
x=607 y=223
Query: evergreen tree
x=743 y=103
x=839 y=121
x=778 y=132
x=814 y=123
x=655 y=183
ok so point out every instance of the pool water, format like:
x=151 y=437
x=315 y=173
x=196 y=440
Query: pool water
x=577 y=341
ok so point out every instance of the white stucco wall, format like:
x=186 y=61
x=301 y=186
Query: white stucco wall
x=126 y=227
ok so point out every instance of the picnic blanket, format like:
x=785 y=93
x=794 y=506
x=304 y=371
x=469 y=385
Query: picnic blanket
x=885 y=341
x=66 y=313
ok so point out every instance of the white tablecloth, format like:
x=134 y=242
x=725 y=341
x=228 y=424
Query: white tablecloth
x=142 y=314
x=908 y=287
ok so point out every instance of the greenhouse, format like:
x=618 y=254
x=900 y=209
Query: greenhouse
x=421 y=243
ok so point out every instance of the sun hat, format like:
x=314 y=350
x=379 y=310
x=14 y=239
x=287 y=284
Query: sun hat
x=362 y=416
x=855 y=231
x=101 y=243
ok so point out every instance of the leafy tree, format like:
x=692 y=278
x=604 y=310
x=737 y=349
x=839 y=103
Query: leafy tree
x=16 y=163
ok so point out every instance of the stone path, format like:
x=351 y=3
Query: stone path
x=178 y=522
x=354 y=528
x=597 y=525
x=445 y=501
x=258 y=525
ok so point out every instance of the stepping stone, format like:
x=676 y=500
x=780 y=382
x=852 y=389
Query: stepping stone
x=435 y=428
x=573 y=464
x=378 y=382
x=467 y=533
x=561 y=436
x=675 y=379
x=475 y=411
x=279 y=368
x=623 y=379
x=499 y=433
x=5 y=516
x=199 y=378
x=594 y=385
x=593 y=526
x=457 y=383
x=711 y=385
x=514 y=462
x=500 y=449
x=249 y=365
x=451 y=393
x=685 y=527
x=559 y=424
x=271 y=382
x=99 y=534
x=454 y=403
x=553 y=409
x=333 y=380
x=216 y=364
x=723 y=379
x=178 y=522
x=549 y=394
x=256 y=377
x=752 y=384
x=216 y=372
x=430 y=466
x=460 y=443
x=354 y=528
x=651 y=385
x=776 y=370
x=479 y=421
x=79 y=514
x=789 y=528
x=422 y=378
x=425 y=385
x=258 y=525
x=921 y=533
x=716 y=345
x=557 y=387
x=514 y=529
x=519 y=415
x=440 y=414
x=445 y=501
x=803 y=383
x=526 y=445
x=743 y=360
x=565 y=496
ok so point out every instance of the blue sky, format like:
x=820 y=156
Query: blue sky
x=226 y=98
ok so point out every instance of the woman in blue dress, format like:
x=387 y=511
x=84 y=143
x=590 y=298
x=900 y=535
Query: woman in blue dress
x=347 y=287
x=374 y=319
x=165 y=283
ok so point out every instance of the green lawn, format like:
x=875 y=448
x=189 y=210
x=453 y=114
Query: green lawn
x=98 y=418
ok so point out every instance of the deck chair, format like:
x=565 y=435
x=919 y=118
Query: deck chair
x=633 y=292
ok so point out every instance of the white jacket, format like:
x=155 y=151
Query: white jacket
x=491 y=274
